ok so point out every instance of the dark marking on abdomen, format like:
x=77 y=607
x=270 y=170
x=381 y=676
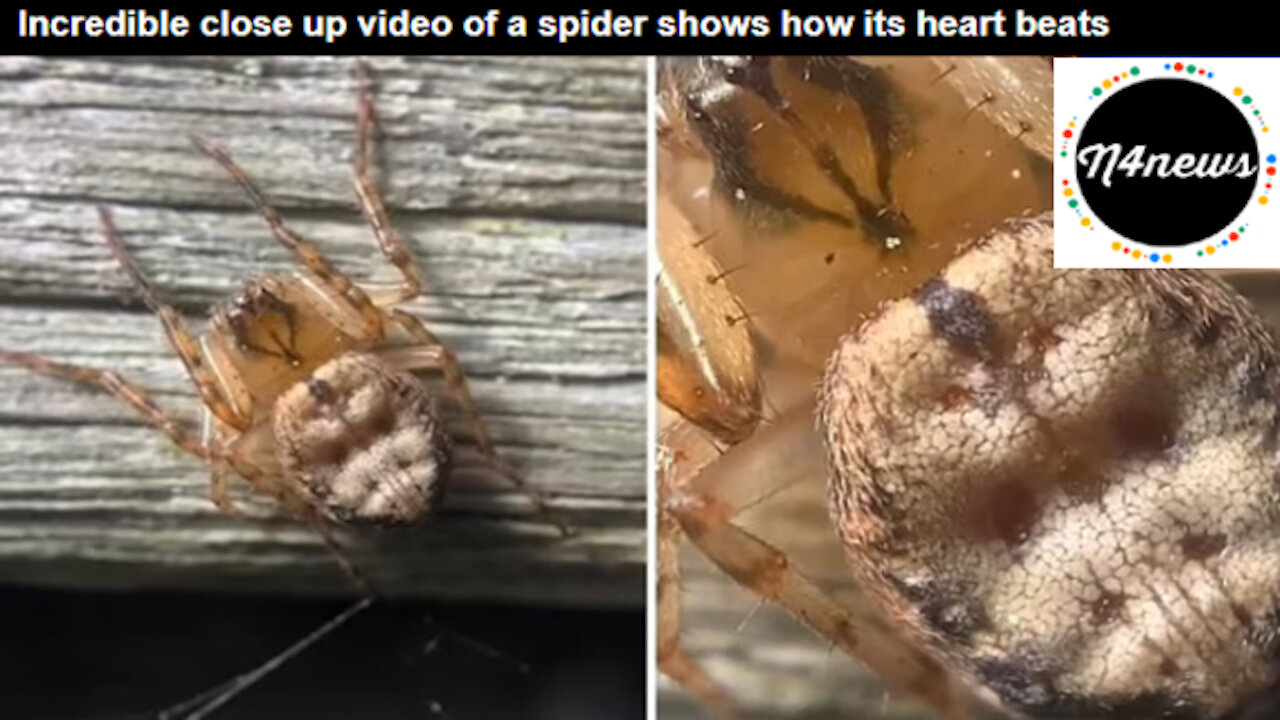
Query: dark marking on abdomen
x=960 y=317
x=1023 y=682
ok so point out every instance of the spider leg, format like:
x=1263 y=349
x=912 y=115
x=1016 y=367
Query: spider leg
x=131 y=393
x=303 y=251
x=180 y=435
x=305 y=510
x=220 y=491
x=673 y=661
x=212 y=434
x=431 y=354
x=371 y=203
x=775 y=457
x=181 y=340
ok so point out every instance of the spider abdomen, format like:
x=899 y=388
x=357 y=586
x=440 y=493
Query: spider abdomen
x=1065 y=481
x=365 y=441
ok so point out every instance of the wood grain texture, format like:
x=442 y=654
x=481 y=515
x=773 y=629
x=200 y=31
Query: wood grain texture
x=520 y=185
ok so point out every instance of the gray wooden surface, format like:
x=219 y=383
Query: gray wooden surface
x=520 y=184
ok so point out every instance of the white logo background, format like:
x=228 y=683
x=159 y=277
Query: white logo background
x=1081 y=240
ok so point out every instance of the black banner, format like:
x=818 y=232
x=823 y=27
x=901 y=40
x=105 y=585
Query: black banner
x=1059 y=29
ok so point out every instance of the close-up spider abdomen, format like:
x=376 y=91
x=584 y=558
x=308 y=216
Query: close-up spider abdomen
x=1063 y=480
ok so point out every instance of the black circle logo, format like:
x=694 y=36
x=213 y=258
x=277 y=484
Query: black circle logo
x=1167 y=184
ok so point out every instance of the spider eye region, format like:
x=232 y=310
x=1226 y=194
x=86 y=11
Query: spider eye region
x=262 y=322
x=364 y=441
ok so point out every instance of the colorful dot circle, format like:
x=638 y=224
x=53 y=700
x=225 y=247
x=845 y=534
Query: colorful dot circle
x=1108 y=83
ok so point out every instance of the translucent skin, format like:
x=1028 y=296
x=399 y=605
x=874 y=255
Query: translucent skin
x=273 y=334
x=362 y=440
x=706 y=363
x=823 y=186
x=1064 y=481
x=835 y=183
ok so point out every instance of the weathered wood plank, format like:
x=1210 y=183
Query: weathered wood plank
x=519 y=183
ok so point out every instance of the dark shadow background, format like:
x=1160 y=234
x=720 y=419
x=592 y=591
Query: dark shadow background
x=99 y=656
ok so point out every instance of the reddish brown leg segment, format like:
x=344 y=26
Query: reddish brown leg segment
x=139 y=400
x=304 y=251
x=134 y=395
x=431 y=354
x=306 y=511
x=674 y=467
x=371 y=204
x=181 y=340
x=220 y=491
x=774 y=457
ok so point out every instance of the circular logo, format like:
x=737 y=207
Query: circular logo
x=1132 y=171
x=1165 y=159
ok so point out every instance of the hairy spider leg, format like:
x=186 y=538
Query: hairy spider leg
x=185 y=345
x=304 y=251
x=372 y=205
x=179 y=337
x=175 y=430
x=432 y=354
x=774 y=458
x=680 y=456
x=436 y=355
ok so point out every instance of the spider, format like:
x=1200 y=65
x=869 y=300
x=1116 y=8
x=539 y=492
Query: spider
x=736 y=135
x=1053 y=488
x=307 y=379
